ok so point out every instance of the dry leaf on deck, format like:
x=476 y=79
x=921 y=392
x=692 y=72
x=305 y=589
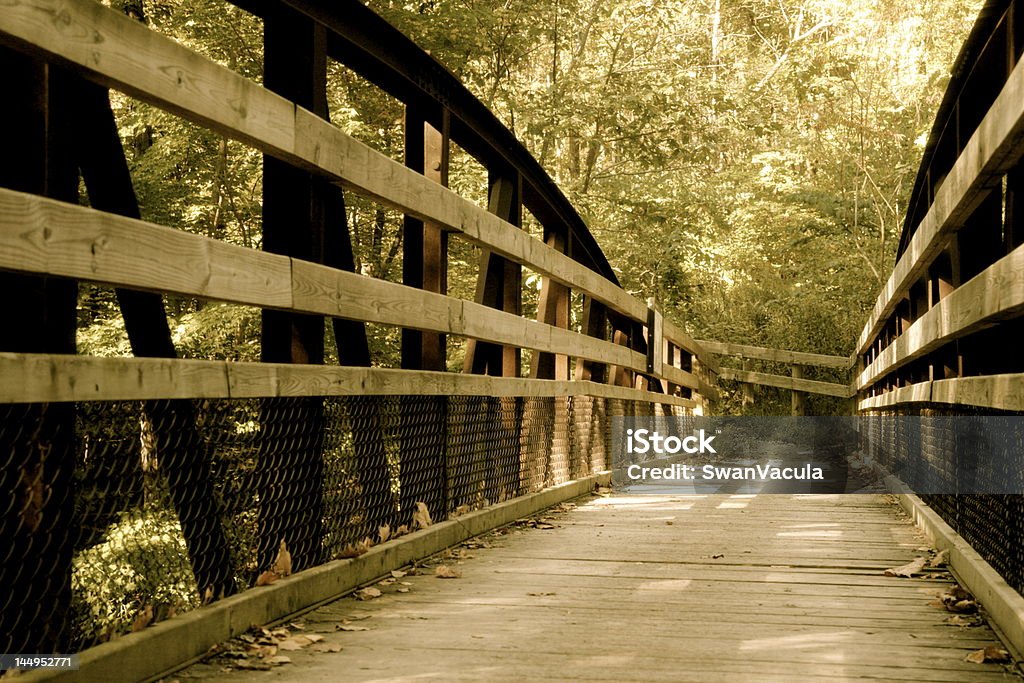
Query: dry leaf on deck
x=368 y=593
x=443 y=571
x=296 y=643
x=939 y=560
x=397 y=573
x=907 y=570
x=350 y=628
x=325 y=647
x=279 y=659
x=959 y=620
x=992 y=653
x=384 y=532
x=421 y=516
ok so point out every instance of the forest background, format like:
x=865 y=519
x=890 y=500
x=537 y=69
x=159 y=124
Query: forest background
x=745 y=162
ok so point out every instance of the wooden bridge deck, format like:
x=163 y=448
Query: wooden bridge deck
x=646 y=588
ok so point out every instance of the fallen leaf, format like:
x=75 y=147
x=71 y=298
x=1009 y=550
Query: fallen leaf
x=262 y=651
x=443 y=571
x=939 y=560
x=283 y=562
x=992 y=653
x=350 y=628
x=421 y=516
x=397 y=573
x=326 y=647
x=384 y=532
x=266 y=578
x=278 y=660
x=402 y=530
x=356 y=549
x=907 y=570
x=958 y=620
x=144 y=619
x=368 y=593
x=461 y=510
x=402 y=590
x=292 y=644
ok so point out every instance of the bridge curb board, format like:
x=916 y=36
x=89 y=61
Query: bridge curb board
x=158 y=650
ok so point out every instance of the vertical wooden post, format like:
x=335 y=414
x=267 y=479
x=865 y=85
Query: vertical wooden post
x=798 y=398
x=746 y=389
x=499 y=284
x=553 y=309
x=291 y=466
x=423 y=456
x=595 y=324
x=37 y=441
x=425 y=244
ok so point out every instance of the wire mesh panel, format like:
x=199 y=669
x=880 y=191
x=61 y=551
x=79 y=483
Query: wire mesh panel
x=162 y=506
x=943 y=454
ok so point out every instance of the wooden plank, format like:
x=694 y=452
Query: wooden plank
x=776 y=355
x=809 y=385
x=994 y=148
x=993 y=295
x=32 y=378
x=919 y=392
x=1001 y=392
x=681 y=338
x=124 y=54
x=45 y=236
x=681 y=377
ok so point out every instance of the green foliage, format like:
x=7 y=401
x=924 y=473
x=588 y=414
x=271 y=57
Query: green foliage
x=141 y=562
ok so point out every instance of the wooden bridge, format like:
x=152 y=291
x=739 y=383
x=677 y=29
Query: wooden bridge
x=152 y=507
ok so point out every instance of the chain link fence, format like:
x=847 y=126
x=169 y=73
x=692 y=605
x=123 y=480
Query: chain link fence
x=119 y=514
x=951 y=455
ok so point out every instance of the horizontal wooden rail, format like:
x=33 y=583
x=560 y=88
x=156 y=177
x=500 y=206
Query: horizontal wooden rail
x=30 y=378
x=1000 y=392
x=777 y=355
x=55 y=238
x=994 y=147
x=680 y=338
x=993 y=295
x=809 y=386
x=119 y=52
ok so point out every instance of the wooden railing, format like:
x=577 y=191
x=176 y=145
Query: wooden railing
x=44 y=236
x=794 y=382
x=946 y=329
